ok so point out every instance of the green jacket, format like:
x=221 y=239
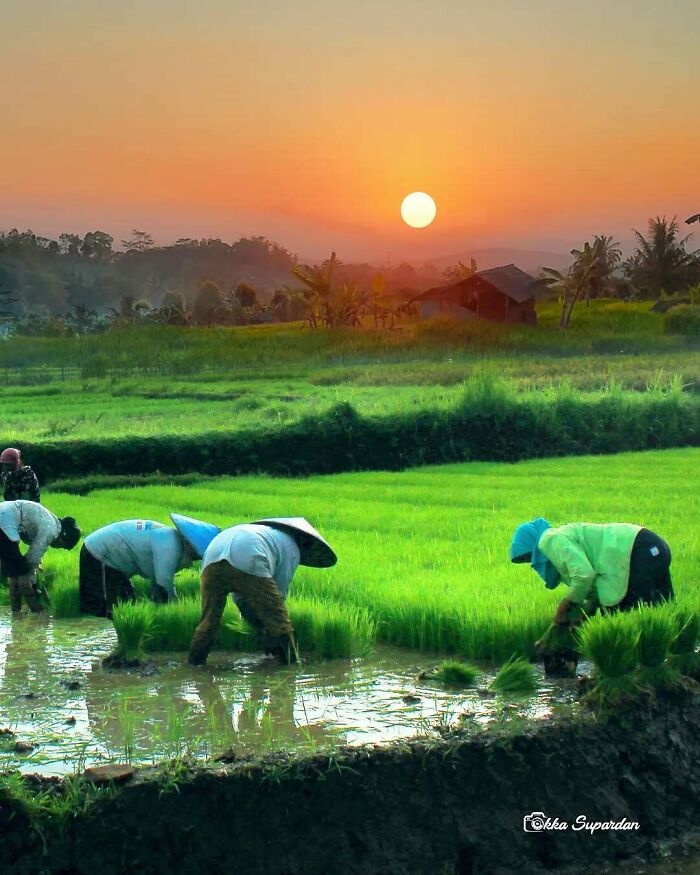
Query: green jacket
x=592 y=557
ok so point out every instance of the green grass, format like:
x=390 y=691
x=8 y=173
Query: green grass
x=515 y=677
x=425 y=552
x=187 y=381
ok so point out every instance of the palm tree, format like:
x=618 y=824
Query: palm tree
x=591 y=268
x=660 y=259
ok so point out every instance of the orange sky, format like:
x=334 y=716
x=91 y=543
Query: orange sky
x=530 y=123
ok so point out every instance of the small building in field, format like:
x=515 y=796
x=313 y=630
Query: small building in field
x=500 y=294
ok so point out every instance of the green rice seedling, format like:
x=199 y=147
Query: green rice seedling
x=174 y=624
x=457 y=674
x=611 y=642
x=684 y=655
x=515 y=677
x=657 y=632
x=331 y=631
x=64 y=598
x=133 y=623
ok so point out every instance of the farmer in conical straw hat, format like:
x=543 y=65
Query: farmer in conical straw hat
x=111 y=555
x=615 y=565
x=256 y=562
x=33 y=524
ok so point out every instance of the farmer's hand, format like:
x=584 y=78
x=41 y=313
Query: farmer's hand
x=561 y=616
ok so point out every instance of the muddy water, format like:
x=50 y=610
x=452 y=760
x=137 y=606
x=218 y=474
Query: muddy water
x=55 y=696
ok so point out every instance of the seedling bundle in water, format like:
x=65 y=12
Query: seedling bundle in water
x=515 y=677
x=456 y=673
x=133 y=623
x=657 y=633
x=611 y=642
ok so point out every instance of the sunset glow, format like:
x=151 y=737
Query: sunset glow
x=303 y=123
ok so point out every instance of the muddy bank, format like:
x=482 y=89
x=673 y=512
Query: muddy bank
x=453 y=806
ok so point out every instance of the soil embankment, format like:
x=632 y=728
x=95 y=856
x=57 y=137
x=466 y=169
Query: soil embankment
x=449 y=807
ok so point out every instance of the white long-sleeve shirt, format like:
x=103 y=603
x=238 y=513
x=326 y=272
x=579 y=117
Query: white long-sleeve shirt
x=258 y=550
x=32 y=524
x=144 y=547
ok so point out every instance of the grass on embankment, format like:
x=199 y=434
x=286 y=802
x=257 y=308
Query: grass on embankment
x=425 y=552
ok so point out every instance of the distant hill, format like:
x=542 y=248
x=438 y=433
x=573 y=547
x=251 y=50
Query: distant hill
x=531 y=260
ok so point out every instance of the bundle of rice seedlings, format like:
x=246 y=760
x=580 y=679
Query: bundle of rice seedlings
x=133 y=623
x=684 y=654
x=657 y=633
x=64 y=598
x=456 y=673
x=515 y=677
x=611 y=642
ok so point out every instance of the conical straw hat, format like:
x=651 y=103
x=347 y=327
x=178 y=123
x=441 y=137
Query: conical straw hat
x=314 y=549
x=198 y=534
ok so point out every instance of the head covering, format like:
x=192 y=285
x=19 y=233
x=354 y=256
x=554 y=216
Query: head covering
x=70 y=531
x=198 y=534
x=10 y=456
x=525 y=543
x=313 y=548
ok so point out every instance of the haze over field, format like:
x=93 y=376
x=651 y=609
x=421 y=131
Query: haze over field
x=533 y=125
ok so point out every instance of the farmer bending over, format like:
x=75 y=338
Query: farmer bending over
x=256 y=562
x=18 y=480
x=616 y=565
x=111 y=555
x=33 y=524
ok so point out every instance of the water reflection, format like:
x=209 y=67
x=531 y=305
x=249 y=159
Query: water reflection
x=55 y=695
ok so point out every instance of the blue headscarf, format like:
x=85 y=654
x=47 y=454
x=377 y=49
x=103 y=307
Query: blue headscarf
x=525 y=540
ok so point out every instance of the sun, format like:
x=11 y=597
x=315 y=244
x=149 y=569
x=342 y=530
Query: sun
x=418 y=209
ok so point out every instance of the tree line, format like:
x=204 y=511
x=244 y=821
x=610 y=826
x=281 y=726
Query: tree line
x=79 y=285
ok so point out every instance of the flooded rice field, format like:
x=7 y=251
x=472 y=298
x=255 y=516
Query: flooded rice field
x=60 y=710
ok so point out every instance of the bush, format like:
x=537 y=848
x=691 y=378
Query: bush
x=490 y=425
x=683 y=319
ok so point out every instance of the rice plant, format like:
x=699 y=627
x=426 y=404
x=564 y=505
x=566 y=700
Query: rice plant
x=174 y=624
x=611 y=642
x=331 y=631
x=684 y=655
x=133 y=623
x=515 y=677
x=401 y=540
x=64 y=598
x=657 y=633
x=457 y=674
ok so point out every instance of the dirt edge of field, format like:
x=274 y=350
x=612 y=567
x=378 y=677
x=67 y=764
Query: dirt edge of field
x=454 y=806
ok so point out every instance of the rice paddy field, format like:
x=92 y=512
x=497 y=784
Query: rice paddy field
x=422 y=576
x=407 y=633
x=423 y=553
